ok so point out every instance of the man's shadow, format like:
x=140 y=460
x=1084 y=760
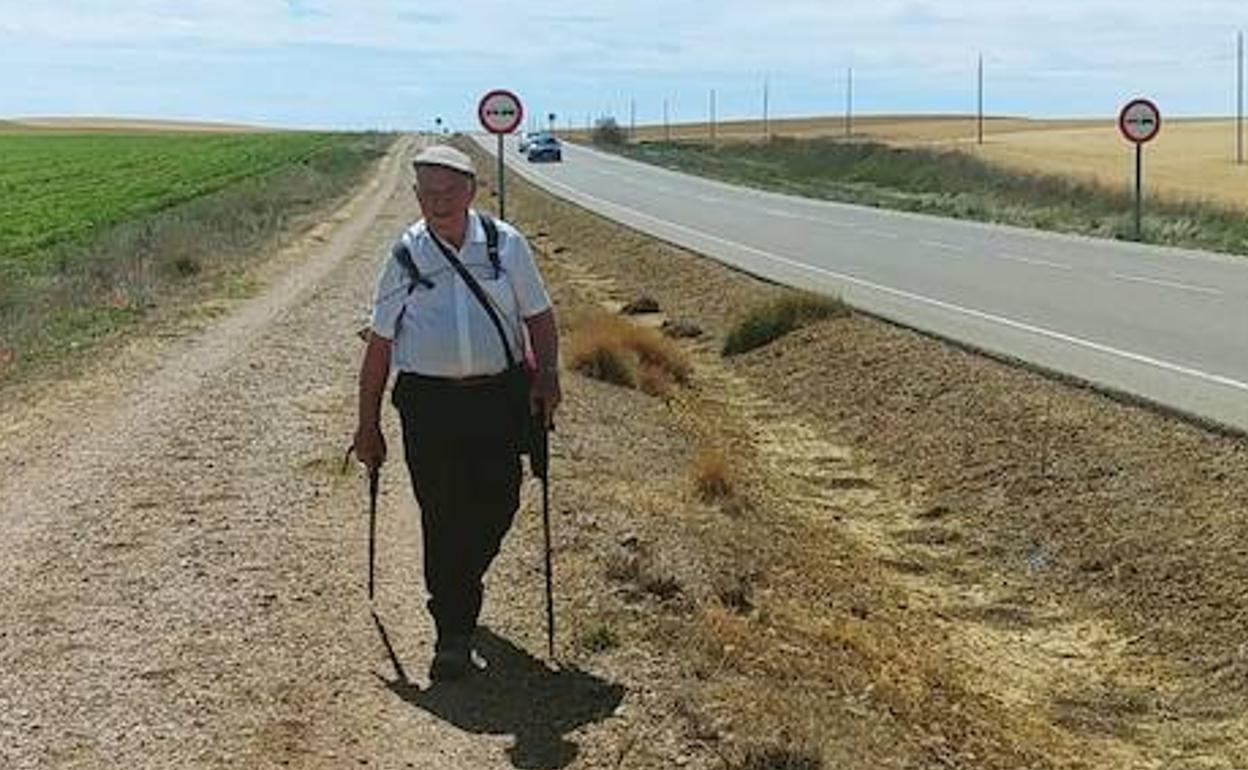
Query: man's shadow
x=515 y=695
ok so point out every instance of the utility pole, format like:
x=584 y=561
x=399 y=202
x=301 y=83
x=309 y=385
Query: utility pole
x=1239 y=104
x=981 y=99
x=849 y=103
x=632 y=119
x=667 y=127
x=712 y=121
x=766 y=115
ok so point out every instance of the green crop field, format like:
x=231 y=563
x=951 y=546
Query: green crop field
x=62 y=187
x=98 y=228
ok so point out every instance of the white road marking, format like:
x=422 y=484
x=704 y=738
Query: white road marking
x=879 y=233
x=1034 y=261
x=944 y=246
x=1216 y=379
x=1168 y=284
x=824 y=221
x=782 y=214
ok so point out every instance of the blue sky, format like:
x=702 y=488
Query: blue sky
x=400 y=64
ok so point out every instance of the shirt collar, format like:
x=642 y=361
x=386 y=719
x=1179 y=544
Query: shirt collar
x=475 y=232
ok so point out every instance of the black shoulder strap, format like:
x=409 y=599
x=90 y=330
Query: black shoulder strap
x=491 y=242
x=403 y=255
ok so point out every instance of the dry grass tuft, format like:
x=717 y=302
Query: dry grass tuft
x=716 y=483
x=654 y=381
x=609 y=348
x=780 y=758
x=644 y=572
x=601 y=359
x=735 y=593
x=777 y=318
x=711 y=476
x=598 y=638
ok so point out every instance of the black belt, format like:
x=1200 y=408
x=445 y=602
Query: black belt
x=473 y=381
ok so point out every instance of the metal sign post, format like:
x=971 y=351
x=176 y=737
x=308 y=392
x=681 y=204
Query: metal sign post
x=500 y=112
x=502 y=182
x=1139 y=122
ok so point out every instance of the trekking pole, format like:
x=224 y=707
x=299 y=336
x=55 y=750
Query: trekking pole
x=539 y=460
x=374 y=481
x=374 y=478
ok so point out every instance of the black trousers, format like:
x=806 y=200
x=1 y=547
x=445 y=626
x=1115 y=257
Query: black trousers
x=460 y=444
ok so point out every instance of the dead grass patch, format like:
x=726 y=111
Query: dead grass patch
x=609 y=348
x=641 y=570
x=712 y=477
x=717 y=483
x=779 y=757
x=598 y=638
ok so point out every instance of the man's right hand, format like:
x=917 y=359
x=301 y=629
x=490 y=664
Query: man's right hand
x=370 y=446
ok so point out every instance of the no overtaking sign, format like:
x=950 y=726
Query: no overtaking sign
x=500 y=112
x=1140 y=121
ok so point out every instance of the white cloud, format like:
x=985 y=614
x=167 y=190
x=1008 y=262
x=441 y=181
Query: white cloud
x=588 y=51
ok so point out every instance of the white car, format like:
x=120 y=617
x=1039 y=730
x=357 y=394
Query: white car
x=526 y=139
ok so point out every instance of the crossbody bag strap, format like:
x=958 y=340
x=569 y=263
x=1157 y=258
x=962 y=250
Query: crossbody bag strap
x=479 y=293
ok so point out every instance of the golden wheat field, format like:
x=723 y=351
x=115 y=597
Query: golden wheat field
x=1190 y=159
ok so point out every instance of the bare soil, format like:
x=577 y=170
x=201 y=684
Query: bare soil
x=919 y=558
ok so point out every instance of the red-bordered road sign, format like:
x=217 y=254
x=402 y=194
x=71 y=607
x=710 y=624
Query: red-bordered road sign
x=1140 y=121
x=500 y=111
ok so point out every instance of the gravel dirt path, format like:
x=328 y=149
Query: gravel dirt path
x=185 y=563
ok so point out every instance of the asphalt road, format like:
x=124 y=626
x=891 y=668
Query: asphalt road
x=1167 y=325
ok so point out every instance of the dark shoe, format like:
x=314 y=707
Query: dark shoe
x=450 y=664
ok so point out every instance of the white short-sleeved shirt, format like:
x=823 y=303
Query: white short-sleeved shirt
x=443 y=330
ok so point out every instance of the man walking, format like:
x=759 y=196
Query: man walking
x=458 y=350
